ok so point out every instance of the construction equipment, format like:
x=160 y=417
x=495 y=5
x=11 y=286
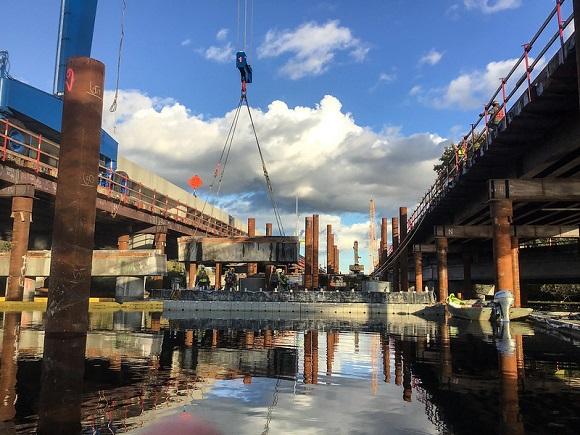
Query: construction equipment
x=356 y=268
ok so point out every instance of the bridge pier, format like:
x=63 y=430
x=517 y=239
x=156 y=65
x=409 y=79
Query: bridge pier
x=418 y=271
x=501 y=216
x=329 y=249
x=308 y=254
x=315 y=244
x=442 y=275
x=218 y=276
x=22 y=215
x=384 y=242
x=515 y=247
x=252 y=267
x=395 y=231
x=190 y=273
x=403 y=259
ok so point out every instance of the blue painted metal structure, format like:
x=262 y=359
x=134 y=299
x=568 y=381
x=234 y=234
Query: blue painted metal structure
x=40 y=110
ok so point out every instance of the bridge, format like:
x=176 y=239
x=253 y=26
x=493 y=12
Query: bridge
x=512 y=189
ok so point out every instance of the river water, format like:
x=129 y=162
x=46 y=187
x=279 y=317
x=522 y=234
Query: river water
x=145 y=373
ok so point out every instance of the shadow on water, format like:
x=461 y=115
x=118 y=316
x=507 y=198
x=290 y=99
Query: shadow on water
x=396 y=375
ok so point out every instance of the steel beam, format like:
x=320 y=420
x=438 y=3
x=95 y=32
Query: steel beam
x=520 y=231
x=536 y=190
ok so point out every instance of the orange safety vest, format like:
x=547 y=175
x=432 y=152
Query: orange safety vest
x=499 y=116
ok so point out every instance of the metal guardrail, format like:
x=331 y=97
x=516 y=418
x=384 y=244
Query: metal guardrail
x=37 y=153
x=472 y=142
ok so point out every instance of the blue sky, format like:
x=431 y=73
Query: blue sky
x=402 y=77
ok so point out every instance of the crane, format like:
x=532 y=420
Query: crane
x=372 y=236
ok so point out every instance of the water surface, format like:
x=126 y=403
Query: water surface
x=395 y=375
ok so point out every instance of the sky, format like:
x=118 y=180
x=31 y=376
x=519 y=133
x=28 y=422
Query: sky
x=351 y=100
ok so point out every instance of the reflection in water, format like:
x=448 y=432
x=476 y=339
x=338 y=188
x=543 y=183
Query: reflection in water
x=310 y=376
x=8 y=371
x=63 y=369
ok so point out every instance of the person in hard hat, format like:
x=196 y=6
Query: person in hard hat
x=230 y=279
x=282 y=279
x=202 y=278
x=496 y=115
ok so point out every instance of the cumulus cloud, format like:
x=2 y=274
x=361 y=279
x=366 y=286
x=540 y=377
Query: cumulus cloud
x=317 y=153
x=222 y=34
x=312 y=47
x=433 y=57
x=221 y=54
x=492 y=6
x=471 y=90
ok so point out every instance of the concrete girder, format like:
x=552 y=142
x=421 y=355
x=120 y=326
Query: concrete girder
x=275 y=249
x=104 y=263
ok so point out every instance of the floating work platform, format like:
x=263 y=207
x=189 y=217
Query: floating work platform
x=301 y=302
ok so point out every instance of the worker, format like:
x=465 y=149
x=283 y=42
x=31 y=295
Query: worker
x=282 y=279
x=202 y=279
x=496 y=115
x=231 y=279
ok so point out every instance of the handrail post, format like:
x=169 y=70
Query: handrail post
x=5 y=145
x=38 y=153
x=560 y=22
x=527 y=48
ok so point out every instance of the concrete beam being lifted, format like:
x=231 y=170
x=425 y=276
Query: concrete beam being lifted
x=520 y=231
x=105 y=263
x=238 y=249
x=540 y=189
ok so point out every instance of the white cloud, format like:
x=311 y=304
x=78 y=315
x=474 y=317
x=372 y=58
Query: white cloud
x=433 y=57
x=492 y=6
x=221 y=54
x=386 y=77
x=319 y=153
x=222 y=34
x=473 y=89
x=312 y=47
x=415 y=90
x=185 y=42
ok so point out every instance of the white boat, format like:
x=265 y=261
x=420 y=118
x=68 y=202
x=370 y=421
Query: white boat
x=466 y=310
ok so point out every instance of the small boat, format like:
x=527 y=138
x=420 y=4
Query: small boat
x=466 y=310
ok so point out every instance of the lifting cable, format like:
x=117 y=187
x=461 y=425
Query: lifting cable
x=113 y=107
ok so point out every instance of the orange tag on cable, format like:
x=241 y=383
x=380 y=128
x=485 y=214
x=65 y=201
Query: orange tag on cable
x=195 y=182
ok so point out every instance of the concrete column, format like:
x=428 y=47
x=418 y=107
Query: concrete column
x=515 y=244
x=384 y=236
x=418 y=272
x=315 y=244
x=268 y=338
x=22 y=215
x=268 y=230
x=403 y=259
x=76 y=196
x=214 y=337
x=29 y=289
x=190 y=273
x=501 y=216
x=249 y=338
x=395 y=233
x=329 y=249
x=336 y=259
x=308 y=254
x=442 y=276
x=467 y=284
x=129 y=288
x=218 y=276
x=123 y=242
x=252 y=267
x=160 y=242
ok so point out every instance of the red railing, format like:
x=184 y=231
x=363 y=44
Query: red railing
x=35 y=152
x=468 y=152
